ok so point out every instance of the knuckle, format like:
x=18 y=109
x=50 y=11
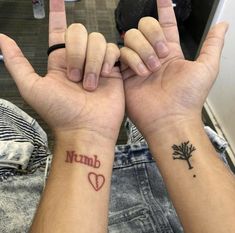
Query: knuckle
x=112 y=48
x=123 y=51
x=130 y=33
x=92 y=65
x=169 y=24
x=93 y=61
x=97 y=36
x=76 y=26
x=149 y=24
x=131 y=36
x=146 y=20
x=73 y=56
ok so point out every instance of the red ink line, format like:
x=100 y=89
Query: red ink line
x=96 y=180
x=72 y=157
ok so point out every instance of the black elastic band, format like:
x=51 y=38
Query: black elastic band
x=55 y=47
x=62 y=46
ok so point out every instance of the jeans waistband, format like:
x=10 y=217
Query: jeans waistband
x=127 y=155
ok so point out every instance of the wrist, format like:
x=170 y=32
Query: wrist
x=83 y=148
x=80 y=179
x=172 y=124
x=83 y=138
x=173 y=131
x=81 y=154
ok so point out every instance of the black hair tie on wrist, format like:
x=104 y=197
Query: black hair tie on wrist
x=55 y=47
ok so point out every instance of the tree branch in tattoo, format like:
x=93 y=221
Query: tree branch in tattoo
x=183 y=152
x=96 y=180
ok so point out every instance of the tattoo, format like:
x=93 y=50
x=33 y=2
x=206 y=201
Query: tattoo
x=184 y=152
x=72 y=157
x=96 y=180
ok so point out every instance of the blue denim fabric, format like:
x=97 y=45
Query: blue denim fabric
x=23 y=159
x=139 y=202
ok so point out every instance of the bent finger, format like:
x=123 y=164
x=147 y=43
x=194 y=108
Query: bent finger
x=76 y=45
x=131 y=59
x=128 y=73
x=136 y=41
x=111 y=57
x=96 y=49
x=152 y=31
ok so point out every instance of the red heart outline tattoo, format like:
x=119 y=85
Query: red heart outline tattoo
x=96 y=180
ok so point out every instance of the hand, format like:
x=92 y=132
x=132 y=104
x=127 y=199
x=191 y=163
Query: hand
x=161 y=87
x=70 y=107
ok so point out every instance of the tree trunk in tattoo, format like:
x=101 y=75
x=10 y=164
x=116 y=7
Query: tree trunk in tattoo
x=189 y=164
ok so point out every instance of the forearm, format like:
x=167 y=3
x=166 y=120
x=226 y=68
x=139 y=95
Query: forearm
x=76 y=196
x=200 y=186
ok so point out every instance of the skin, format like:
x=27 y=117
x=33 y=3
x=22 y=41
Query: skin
x=177 y=87
x=164 y=100
x=163 y=93
x=78 y=116
x=59 y=110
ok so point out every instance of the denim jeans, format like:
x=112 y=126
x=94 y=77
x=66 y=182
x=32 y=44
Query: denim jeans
x=139 y=202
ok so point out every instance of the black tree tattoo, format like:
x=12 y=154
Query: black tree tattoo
x=183 y=152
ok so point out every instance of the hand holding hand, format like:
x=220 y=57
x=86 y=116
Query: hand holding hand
x=162 y=88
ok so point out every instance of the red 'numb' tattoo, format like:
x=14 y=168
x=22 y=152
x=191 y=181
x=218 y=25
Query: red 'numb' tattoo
x=96 y=180
x=72 y=157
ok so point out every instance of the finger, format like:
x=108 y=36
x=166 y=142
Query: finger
x=96 y=49
x=18 y=66
x=167 y=20
x=111 y=56
x=57 y=22
x=152 y=31
x=210 y=53
x=131 y=59
x=123 y=66
x=129 y=73
x=136 y=41
x=57 y=28
x=76 y=45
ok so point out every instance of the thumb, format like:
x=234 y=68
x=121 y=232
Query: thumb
x=17 y=65
x=212 y=47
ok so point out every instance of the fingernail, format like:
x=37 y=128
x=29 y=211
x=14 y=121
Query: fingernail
x=75 y=75
x=153 y=62
x=162 y=49
x=90 y=82
x=106 y=68
x=142 y=69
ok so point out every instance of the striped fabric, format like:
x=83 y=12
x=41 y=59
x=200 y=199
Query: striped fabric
x=23 y=144
x=133 y=134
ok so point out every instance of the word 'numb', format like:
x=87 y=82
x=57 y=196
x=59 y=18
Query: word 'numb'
x=92 y=161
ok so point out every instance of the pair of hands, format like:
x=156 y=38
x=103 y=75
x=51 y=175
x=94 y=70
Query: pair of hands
x=84 y=94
